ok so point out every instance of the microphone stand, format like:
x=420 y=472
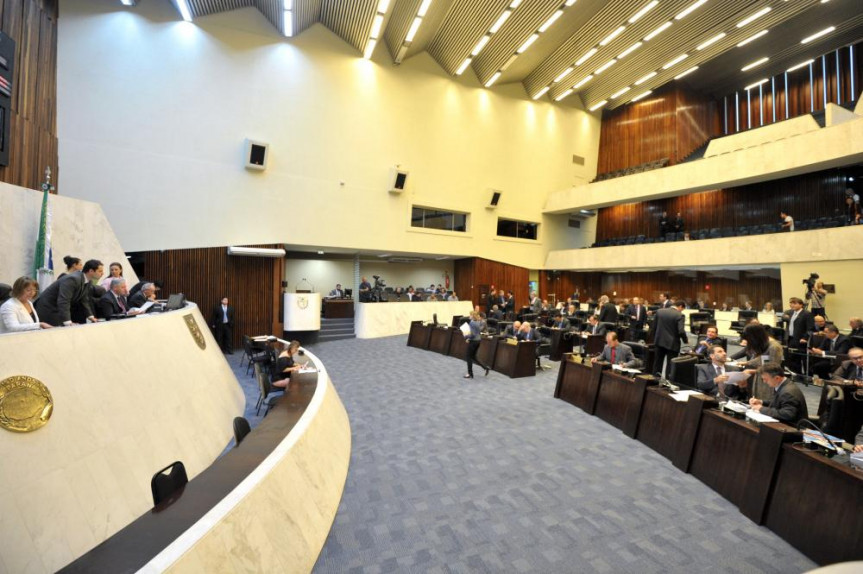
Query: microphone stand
x=830 y=446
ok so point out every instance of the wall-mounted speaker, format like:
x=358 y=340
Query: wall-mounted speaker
x=398 y=180
x=256 y=155
x=495 y=199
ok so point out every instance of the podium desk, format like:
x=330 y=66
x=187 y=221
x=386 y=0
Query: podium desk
x=439 y=339
x=560 y=344
x=619 y=401
x=338 y=308
x=515 y=360
x=419 y=335
x=458 y=344
x=578 y=383
x=815 y=506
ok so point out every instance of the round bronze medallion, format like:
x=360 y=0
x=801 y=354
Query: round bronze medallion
x=25 y=404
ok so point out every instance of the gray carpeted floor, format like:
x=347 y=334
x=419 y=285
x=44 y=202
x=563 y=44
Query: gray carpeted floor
x=495 y=475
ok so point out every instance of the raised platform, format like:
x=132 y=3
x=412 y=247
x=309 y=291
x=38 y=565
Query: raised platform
x=387 y=319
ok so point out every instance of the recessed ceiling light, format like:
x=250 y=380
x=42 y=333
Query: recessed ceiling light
x=645 y=78
x=620 y=92
x=413 y=29
x=641 y=95
x=463 y=67
x=320 y=252
x=480 y=45
x=605 y=66
x=183 y=6
x=751 y=38
x=637 y=16
x=690 y=9
x=586 y=57
x=823 y=32
x=563 y=95
x=756 y=84
x=541 y=93
x=563 y=74
x=800 y=65
x=582 y=82
x=754 y=17
x=383 y=6
x=657 y=32
x=492 y=80
x=527 y=44
x=612 y=36
x=550 y=21
x=370 y=48
x=376 y=26
x=424 y=7
x=711 y=41
x=500 y=21
x=598 y=105
x=570 y=2
x=676 y=60
x=288 y=23
x=686 y=73
x=754 y=64
x=630 y=50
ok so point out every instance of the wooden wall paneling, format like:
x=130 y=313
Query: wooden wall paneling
x=470 y=273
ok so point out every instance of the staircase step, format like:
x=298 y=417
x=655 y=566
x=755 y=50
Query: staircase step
x=330 y=337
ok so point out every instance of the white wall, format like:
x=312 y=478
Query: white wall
x=847 y=276
x=153 y=113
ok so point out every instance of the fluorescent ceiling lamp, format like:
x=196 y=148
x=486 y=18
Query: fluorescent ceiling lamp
x=676 y=60
x=563 y=95
x=657 y=32
x=424 y=7
x=690 y=9
x=586 y=57
x=598 y=105
x=289 y=4
x=463 y=67
x=128 y=2
x=754 y=17
x=582 y=82
x=823 y=32
x=754 y=64
x=376 y=26
x=637 y=16
x=641 y=95
x=619 y=93
x=183 y=6
x=630 y=50
x=480 y=45
x=800 y=65
x=503 y=17
x=492 y=80
x=370 y=48
x=515 y=4
x=550 y=21
x=541 y=93
x=256 y=251
x=711 y=41
x=570 y=3
x=751 y=38
x=756 y=84
x=383 y=6
x=527 y=44
x=612 y=36
x=645 y=78
x=605 y=66
x=288 y=23
x=563 y=74
x=415 y=26
x=509 y=62
x=686 y=73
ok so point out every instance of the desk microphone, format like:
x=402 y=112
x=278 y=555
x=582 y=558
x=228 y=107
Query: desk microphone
x=830 y=446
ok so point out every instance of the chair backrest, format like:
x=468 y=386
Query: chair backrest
x=5 y=292
x=683 y=371
x=434 y=318
x=594 y=344
x=262 y=379
x=168 y=483
x=831 y=418
x=241 y=429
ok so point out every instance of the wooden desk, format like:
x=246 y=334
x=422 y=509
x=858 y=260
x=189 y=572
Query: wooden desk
x=619 y=401
x=661 y=423
x=338 y=308
x=516 y=361
x=487 y=350
x=815 y=506
x=561 y=344
x=457 y=344
x=419 y=334
x=578 y=383
x=439 y=340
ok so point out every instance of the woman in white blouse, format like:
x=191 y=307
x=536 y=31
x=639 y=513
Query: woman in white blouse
x=18 y=313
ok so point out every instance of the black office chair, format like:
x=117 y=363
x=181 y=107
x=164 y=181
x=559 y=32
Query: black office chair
x=241 y=429
x=830 y=420
x=682 y=371
x=267 y=396
x=254 y=352
x=5 y=292
x=492 y=325
x=167 y=484
x=543 y=348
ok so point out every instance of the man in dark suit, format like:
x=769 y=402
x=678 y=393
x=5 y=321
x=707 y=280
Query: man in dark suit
x=490 y=299
x=147 y=294
x=856 y=325
x=512 y=331
x=852 y=369
x=711 y=377
x=670 y=333
x=703 y=347
x=114 y=302
x=54 y=305
x=495 y=313
x=663 y=224
x=509 y=305
x=223 y=325
x=678 y=223
x=665 y=300
x=594 y=327
x=617 y=353
x=800 y=326
x=788 y=404
x=607 y=311
x=526 y=332
x=560 y=322
x=833 y=343
x=637 y=314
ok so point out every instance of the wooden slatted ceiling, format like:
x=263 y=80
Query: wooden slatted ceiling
x=306 y=13
x=430 y=26
x=464 y=25
x=523 y=22
x=403 y=14
x=351 y=21
x=205 y=7
x=273 y=10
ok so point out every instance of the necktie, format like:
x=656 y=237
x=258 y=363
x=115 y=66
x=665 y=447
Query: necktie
x=832 y=345
x=224 y=314
x=121 y=303
x=859 y=374
x=791 y=322
x=612 y=355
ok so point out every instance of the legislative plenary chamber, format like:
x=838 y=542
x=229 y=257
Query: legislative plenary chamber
x=431 y=286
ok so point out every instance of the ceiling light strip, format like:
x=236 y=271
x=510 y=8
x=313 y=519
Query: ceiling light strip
x=641 y=95
x=658 y=31
x=637 y=16
x=377 y=28
x=183 y=7
x=754 y=64
x=686 y=73
x=751 y=38
x=711 y=41
x=691 y=8
x=817 y=35
x=598 y=105
x=754 y=17
x=288 y=18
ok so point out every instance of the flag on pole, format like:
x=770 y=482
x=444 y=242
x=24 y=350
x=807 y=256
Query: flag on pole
x=43 y=262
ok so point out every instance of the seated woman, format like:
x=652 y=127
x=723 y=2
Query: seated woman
x=285 y=365
x=18 y=314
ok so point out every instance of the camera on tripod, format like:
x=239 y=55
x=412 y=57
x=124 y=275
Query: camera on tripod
x=377 y=294
x=810 y=283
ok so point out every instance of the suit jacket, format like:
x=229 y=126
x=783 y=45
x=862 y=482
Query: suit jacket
x=509 y=304
x=637 y=316
x=509 y=333
x=846 y=370
x=622 y=356
x=530 y=336
x=599 y=330
x=107 y=306
x=608 y=313
x=491 y=301
x=842 y=346
x=789 y=404
x=803 y=326
x=561 y=323
x=704 y=381
x=670 y=329
x=857 y=332
x=536 y=305
x=217 y=313
x=14 y=317
x=703 y=346
x=55 y=304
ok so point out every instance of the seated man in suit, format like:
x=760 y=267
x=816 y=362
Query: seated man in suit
x=832 y=344
x=526 y=332
x=412 y=295
x=511 y=332
x=617 y=353
x=495 y=313
x=114 y=302
x=702 y=349
x=788 y=404
x=560 y=322
x=852 y=369
x=336 y=293
x=820 y=323
x=594 y=327
x=856 y=325
x=145 y=295
x=569 y=311
x=711 y=377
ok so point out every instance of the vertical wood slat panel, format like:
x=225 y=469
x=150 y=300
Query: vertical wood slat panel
x=205 y=275
x=470 y=273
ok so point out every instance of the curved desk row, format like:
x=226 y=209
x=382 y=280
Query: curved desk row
x=806 y=498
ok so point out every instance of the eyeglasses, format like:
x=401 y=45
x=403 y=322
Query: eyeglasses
x=859 y=358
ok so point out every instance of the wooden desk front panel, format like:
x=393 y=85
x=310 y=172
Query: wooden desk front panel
x=439 y=340
x=419 y=336
x=619 y=401
x=661 y=423
x=457 y=344
x=517 y=360
x=560 y=344
x=722 y=454
x=338 y=308
x=579 y=384
x=487 y=350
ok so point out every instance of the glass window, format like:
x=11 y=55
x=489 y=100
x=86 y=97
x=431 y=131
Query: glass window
x=519 y=229
x=430 y=218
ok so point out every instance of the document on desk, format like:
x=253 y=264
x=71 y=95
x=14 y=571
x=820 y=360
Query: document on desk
x=625 y=369
x=759 y=418
x=304 y=370
x=735 y=377
x=683 y=396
